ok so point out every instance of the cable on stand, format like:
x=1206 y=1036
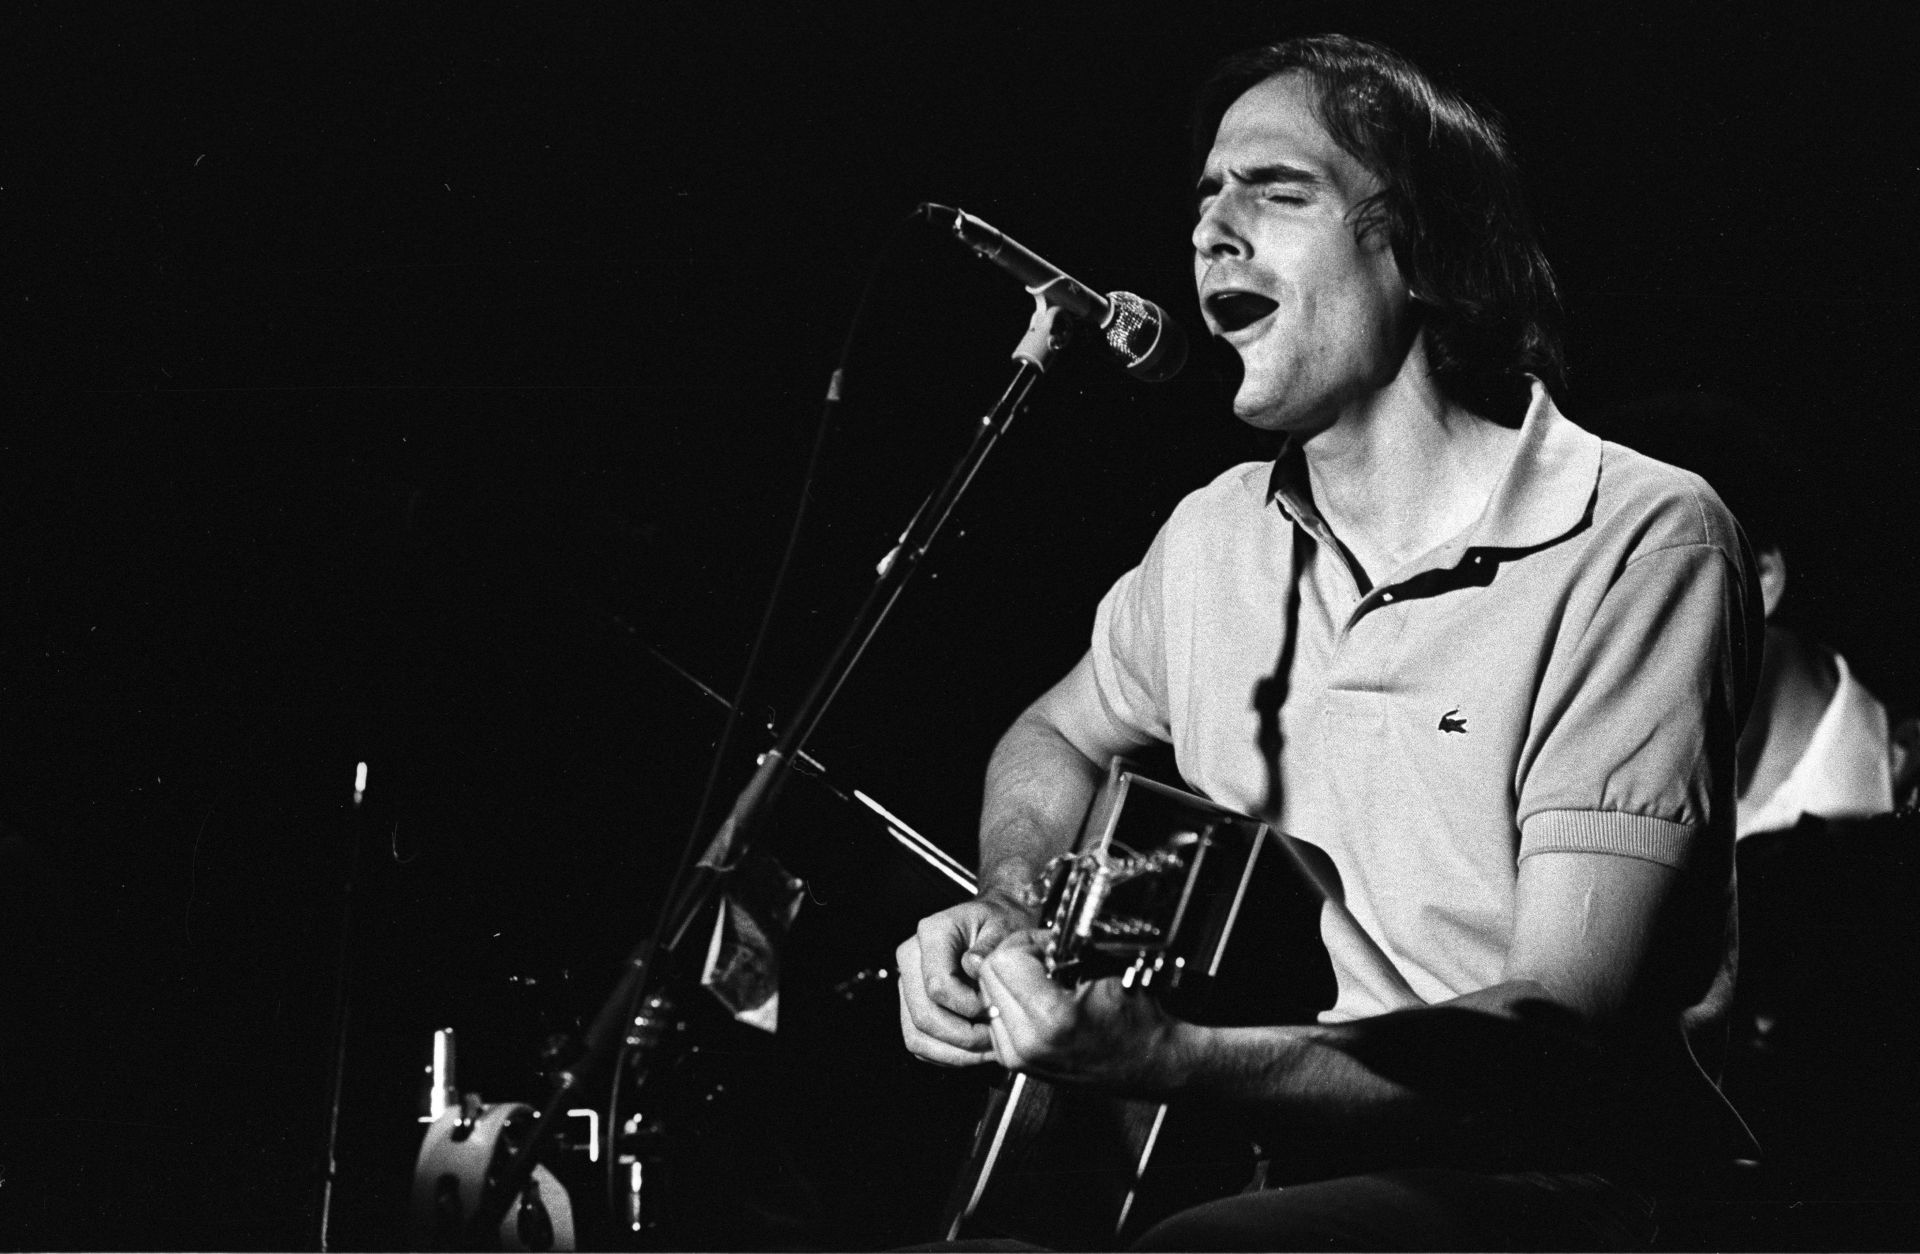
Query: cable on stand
x=633 y=1020
x=700 y=883
x=650 y=1019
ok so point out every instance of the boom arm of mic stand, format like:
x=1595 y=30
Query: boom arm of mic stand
x=697 y=888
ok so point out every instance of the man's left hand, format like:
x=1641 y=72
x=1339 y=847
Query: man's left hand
x=1096 y=1033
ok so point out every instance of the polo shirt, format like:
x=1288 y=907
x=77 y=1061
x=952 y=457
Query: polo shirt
x=1567 y=673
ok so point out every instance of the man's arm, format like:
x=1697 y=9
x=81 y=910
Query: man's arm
x=1454 y=1076
x=1040 y=780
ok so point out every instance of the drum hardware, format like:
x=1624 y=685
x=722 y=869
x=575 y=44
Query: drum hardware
x=441 y=1090
x=637 y=1178
x=461 y=1161
x=466 y=1143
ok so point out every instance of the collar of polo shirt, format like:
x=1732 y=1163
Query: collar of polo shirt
x=1545 y=494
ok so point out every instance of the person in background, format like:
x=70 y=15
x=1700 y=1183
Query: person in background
x=1819 y=1056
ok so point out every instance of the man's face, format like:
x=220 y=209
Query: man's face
x=1318 y=316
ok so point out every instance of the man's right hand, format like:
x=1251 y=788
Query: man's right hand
x=1040 y=781
x=942 y=1016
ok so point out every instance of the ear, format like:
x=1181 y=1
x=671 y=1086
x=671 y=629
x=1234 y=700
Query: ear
x=1773 y=578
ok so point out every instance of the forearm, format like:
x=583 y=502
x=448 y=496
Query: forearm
x=1041 y=778
x=1038 y=789
x=1295 y=1070
x=1489 y=1074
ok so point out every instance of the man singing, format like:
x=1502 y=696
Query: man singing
x=1492 y=668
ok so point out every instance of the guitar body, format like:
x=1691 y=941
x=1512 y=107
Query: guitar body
x=1161 y=882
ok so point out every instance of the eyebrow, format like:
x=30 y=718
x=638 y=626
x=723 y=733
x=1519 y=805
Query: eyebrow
x=1260 y=175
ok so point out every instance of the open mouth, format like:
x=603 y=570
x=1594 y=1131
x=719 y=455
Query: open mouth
x=1235 y=310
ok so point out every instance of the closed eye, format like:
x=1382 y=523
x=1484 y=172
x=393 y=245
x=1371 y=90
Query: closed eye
x=1279 y=182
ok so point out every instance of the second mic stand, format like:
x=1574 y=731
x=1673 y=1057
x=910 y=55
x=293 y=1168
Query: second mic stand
x=701 y=883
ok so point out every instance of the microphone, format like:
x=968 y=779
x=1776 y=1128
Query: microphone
x=1148 y=342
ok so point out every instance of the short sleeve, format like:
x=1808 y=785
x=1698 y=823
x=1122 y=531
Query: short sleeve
x=1129 y=649
x=1632 y=747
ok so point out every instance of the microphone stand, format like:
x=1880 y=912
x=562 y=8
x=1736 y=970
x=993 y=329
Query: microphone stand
x=701 y=883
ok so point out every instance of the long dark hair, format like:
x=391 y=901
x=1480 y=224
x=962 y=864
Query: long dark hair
x=1450 y=202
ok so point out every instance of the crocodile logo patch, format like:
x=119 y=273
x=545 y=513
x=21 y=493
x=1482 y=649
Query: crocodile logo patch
x=1451 y=722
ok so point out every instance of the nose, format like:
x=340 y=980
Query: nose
x=1216 y=233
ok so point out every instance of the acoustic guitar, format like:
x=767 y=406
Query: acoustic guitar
x=1158 y=886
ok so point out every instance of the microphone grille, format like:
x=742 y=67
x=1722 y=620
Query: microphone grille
x=1146 y=340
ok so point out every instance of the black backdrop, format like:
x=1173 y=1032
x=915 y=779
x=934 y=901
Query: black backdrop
x=390 y=383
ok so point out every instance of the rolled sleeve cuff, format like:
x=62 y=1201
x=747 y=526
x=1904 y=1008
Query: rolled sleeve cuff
x=1608 y=831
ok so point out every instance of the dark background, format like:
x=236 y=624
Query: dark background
x=399 y=383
